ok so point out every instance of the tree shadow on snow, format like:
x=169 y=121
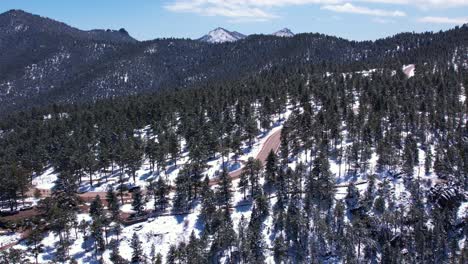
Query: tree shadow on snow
x=244 y=206
x=171 y=169
x=246 y=150
x=145 y=176
x=180 y=218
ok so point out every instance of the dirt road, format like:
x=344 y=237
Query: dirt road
x=271 y=143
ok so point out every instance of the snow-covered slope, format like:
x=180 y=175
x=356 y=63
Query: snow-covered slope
x=409 y=70
x=220 y=35
x=285 y=32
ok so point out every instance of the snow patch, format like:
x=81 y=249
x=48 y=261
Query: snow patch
x=409 y=70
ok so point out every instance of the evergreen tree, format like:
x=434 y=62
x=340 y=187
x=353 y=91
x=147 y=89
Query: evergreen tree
x=115 y=256
x=137 y=250
x=182 y=197
x=161 y=190
x=280 y=249
x=271 y=171
x=113 y=204
x=137 y=201
x=243 y=184
x=223 y=191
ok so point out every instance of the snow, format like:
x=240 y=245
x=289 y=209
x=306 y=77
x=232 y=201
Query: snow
x=77 y=251
x=8 y=238
x=164 y=231
x=46 y=180
x=454 y=63
x=463 y=210
x=151 y=50
x=284 y=33
x=409 y=70
x=101 y=183
x=221 y=35
x=463 y=95
x=367 y=73
x=21 y=28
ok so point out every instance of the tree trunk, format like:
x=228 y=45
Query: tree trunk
x=90 y=179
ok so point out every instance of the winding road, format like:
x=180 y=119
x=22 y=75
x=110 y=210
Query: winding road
x=271 y=143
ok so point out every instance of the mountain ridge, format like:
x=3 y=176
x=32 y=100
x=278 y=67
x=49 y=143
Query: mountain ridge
x=285 y=32
x=56 y=66
x=19 y=21
x=221 y=35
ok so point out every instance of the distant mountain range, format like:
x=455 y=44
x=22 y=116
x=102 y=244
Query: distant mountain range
x=43 y=61
x=221 y=35
x=285 y=32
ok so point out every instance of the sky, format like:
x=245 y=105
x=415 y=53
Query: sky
x=351 y=19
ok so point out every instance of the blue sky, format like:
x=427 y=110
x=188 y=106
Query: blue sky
x=352 y=19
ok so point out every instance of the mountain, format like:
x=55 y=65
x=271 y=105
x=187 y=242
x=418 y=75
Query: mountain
x=280 y=150
x=44 y=61
x=285 y=32
x=363 y=171
x=221 y=35
x=18 y=22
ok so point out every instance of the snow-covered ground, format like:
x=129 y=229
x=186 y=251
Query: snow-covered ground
x=8 y=238
x=46 y=180
x=164 y=231
x=409 y=70
x=101 y=183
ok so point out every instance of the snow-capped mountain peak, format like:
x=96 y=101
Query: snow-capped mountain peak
x=285 y=32
x=220 y=35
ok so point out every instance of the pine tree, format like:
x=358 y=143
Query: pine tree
x=113 y=204
x=428 y=161
x=251 y=129
x=182 y=197
x=271 y=171
x=280 y=249
x=255 y=239
x=158 y=259
x=208 y=206
x=352 y=196
x=115 y=256
x=97 y=235
x=133 y=157
x=195 y=252
x=379 y=205
x=137 y=203
x=243 y=184
x=243 y=242
x=223 y=191
x=14 y=256
x=252 y=169
x=171 y=257
x=137 y=250
x=161 y=190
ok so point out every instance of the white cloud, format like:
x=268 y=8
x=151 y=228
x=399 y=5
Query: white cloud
x=352 y=9
x=383 y=20
x=421 y=3
x=444 y=20
x=232 y=9
x=263 y=10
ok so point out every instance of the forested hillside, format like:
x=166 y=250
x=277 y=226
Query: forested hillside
x=45 y=61
x=371 y=167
